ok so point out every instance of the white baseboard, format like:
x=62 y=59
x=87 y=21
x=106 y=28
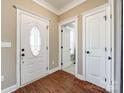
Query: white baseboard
x=54 y=70
x=108 y=88
x=10 y=89
x=15 y=87
x=81 y=77
x=67 y=65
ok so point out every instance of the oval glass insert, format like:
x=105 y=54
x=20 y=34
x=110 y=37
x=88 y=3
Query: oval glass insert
x=35 y=41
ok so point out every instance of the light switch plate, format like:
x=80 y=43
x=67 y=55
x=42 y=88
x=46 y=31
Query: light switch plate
x=5 y=44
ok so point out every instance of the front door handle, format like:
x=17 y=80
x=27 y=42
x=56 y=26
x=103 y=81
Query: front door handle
x=23 y=55
x=88 y=52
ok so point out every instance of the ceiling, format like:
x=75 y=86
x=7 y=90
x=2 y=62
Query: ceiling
x=59 y=6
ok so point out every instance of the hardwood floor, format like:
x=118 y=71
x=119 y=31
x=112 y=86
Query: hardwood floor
x=60 y=82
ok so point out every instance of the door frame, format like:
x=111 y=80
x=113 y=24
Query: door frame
x=107 y=8
x=69 y=20
x=18 y=43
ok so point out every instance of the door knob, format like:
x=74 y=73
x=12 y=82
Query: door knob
x=88 y=52
x=23 y=55
x=23 y=49
x=109 y=58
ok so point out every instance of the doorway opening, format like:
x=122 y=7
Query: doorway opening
x=68 y=46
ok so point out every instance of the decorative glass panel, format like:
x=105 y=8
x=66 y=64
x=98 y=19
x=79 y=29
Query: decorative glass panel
x=35 y=41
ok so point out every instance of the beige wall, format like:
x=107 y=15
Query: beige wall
x=88 y=5
x=9 y=34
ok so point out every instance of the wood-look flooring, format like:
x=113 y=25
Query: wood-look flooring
x=60 y=82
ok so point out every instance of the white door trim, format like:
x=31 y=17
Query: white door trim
x=95 y=9
x=18 y=44
x=112 y=4
x=76 y=39
x=84 y=15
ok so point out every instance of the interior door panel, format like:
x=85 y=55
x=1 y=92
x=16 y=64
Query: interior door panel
x=95 y=48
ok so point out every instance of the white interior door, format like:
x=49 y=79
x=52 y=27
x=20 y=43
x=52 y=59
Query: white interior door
x=95 y=48
x=33 y=48
x=66 y=52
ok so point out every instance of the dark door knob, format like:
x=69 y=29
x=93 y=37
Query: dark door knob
x=88 y=52
x=23 y=50
x=109 y=58
x=23 y=55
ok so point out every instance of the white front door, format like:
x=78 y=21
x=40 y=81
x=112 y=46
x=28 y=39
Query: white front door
x=33 y=48
x=66 y=52
x=95 y=48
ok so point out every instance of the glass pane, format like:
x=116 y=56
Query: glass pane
x=35 y=41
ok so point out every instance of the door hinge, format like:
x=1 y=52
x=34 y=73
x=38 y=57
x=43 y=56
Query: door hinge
x=111 y=49
x=46 y=68
x=105 y=49
x=47 y=27
x=61 y=30
x=105 y=79
x=105 y=17
x=111 y=82
x=61 y=63
x=110 y=15
x=47 y=47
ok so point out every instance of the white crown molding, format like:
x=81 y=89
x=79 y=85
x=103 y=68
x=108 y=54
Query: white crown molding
x=56 y=11
x=70 y=6
x=54 y=70
x=81 y=77
x=47 y=6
